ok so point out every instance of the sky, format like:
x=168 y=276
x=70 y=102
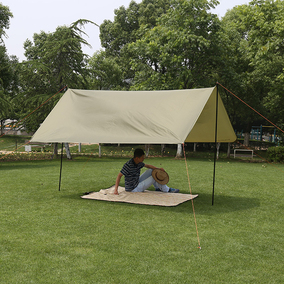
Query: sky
x=34 y=16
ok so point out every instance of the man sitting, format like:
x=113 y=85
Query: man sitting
x=136 y=183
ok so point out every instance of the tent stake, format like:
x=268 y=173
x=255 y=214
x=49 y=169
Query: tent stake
x=61 y=166
x=215 y=154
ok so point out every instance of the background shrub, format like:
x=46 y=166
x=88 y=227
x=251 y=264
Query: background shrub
x=276 y=154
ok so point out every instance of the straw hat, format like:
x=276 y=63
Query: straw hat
x=160 y=176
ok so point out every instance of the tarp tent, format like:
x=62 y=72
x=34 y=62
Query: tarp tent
x=137 y=117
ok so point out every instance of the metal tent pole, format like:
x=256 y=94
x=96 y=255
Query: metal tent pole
x=215 y=154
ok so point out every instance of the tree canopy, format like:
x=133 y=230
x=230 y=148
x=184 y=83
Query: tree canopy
x=253 y=36
x=8 y=70
x=5 y=16
x=54 y=61
x=181 y=51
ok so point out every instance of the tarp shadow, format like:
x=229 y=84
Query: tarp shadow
x=224 y=204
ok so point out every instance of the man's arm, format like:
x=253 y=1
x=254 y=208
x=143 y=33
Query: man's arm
x=117 y=183
x=152 y=167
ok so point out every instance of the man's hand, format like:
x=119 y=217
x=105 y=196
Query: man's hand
x=117 y=183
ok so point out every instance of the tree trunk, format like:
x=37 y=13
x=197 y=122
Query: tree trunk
x=179 y=151
x=100 y=151
x=55 y=150
x=2 y=126
x=229 y=150
x=246 y=139
x=218 y=150
x=68 y=154
x=194 y=146
x=147 y=149
x=163 y=149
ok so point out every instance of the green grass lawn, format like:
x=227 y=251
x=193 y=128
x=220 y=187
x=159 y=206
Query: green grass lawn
x=49 y=236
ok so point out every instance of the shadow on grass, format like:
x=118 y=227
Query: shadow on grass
x=224 y=204
x=24 y=165
x=202 y=204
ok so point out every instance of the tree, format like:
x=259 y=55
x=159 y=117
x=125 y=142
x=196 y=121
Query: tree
x=266 y=53
x=252 y=40
x=181 y=51
x=8 y=70
x=114 y=35
x=126 y=28
x=54 y=60
x=5 y=16
x=57 y=58
x=9 y=82
x=105 y=72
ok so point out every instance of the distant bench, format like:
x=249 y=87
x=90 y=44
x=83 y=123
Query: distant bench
x=28 y=147
x=243 y=150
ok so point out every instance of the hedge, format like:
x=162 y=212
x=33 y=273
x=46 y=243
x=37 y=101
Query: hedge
x=276 y=154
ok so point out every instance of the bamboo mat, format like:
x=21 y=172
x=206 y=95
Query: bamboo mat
x=157 y=198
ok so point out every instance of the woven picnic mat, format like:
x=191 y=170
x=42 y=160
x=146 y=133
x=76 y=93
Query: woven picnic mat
x=157 y=198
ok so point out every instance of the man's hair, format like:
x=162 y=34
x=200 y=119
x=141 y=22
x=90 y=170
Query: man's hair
x=138 y=153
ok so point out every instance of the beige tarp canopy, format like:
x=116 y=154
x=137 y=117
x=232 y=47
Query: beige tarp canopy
x=147 y=117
